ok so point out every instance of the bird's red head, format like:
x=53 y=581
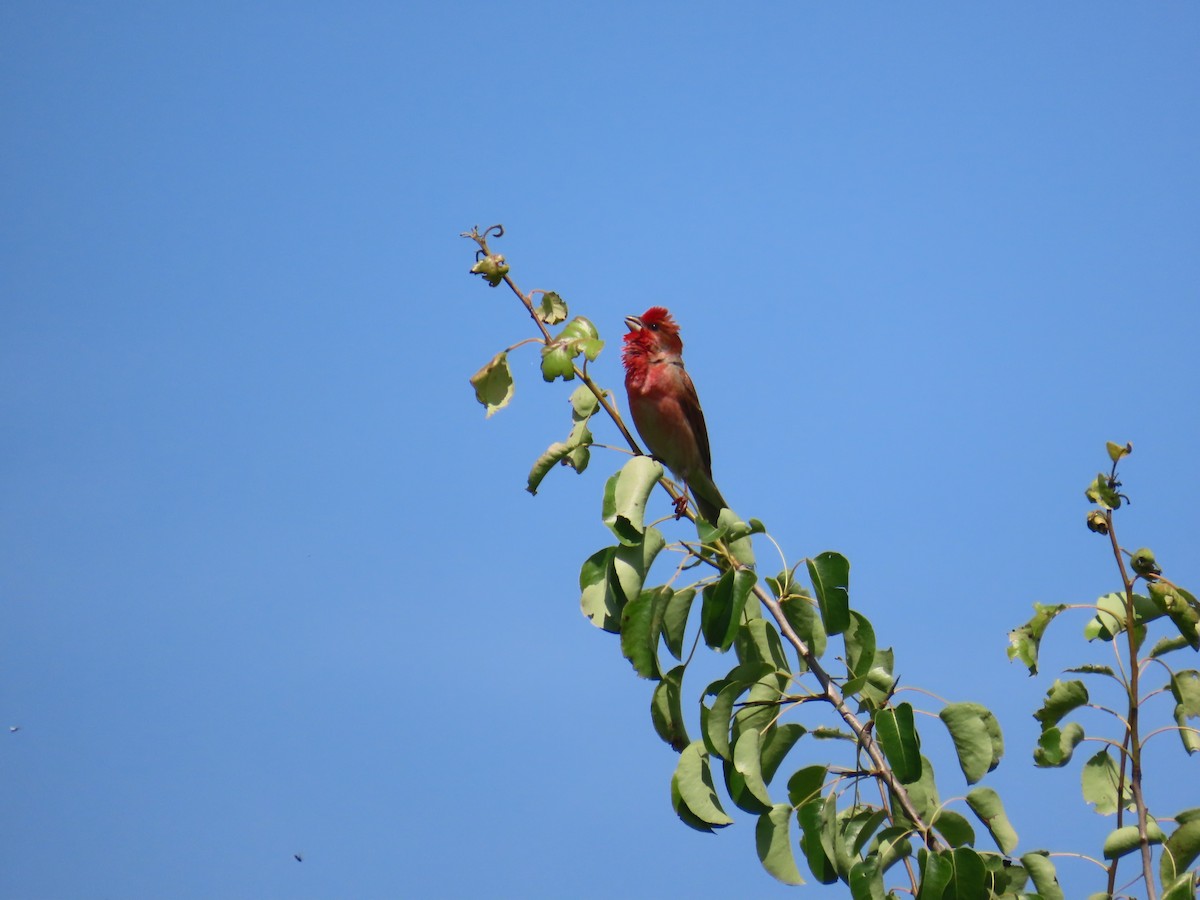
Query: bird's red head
x=654 y=331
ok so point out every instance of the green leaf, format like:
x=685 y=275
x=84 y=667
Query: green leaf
x=675 y=616
x=986 y=805
x=923 y=792
x=721 y=613
x=1004 y=878
x=579 y=336
x=936 y=871
x=734 y=532
x=1061 y=698
x=1180 y=851
x=976 y=736
x=775 y=745
x=552 y=309
x=1182 y=607
x=1056 y=746
x=625 y=496
x=772 y=838
x=1168 y=645
x=866 y=880
x=641 y=620
x=957 y=874
x=891 y=845
x=954 y=828
x=601 y=598
x=1100 y=778
x=830 y=574
x=804 y=787
x=1111 y=615
x=761 y=705
x=897 y=735
x=692 y=789
x=631 y=563
x=1183 y=889
x=558 y=452
x=857 y=825
x=1185 y=687
x=1041 y=870
x=494 y=383
x=859 y=638
x=1093 y=670
x=1025 y=641
x=821 y=866
x=584 y=403
x=715 y=720
x=1102 y=493
x=558 y=361
x=831 y=835
x=572 y=452
x=969 y=881
x=758 y=641
x=881 y=681
x=1009 y=876
x=801 y=614
x=747 y=765
x=666 y=709
x=1125 y=839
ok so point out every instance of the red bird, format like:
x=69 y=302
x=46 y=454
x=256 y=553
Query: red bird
x=665 y=408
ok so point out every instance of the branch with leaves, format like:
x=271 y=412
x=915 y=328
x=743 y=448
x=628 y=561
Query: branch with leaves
x=750 y=719
x=1114 y=778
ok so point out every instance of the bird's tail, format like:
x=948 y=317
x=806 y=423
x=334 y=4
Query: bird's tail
x=708 y=499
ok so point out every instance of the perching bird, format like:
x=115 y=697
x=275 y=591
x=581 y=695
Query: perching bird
x=665 y=408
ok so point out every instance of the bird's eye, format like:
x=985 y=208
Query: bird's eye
x=653 y=326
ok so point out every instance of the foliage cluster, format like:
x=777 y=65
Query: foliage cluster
x=871 y=816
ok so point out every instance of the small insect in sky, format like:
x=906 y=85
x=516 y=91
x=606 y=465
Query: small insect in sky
x=14 y=728
x=299 y=857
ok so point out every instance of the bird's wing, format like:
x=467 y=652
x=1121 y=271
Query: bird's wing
x=695 y=418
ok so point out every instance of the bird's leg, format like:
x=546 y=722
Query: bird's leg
x=681 y=503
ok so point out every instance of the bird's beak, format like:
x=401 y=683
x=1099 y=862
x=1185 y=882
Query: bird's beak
x=634 y=323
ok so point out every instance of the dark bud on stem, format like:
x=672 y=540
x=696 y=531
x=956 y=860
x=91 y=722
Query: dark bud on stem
x=1143 y=563
x=1096 y=522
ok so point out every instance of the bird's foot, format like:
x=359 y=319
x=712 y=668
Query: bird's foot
x=680 y=506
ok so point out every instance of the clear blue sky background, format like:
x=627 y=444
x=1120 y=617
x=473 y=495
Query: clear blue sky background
x=270 y=583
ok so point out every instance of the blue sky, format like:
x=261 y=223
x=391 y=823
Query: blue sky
x=270 y=582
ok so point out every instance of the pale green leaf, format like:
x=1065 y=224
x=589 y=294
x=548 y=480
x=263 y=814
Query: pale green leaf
x=1041 y=870
x=494 y=383
x=552 y=309
x=1100 y=779
x=976 y=736
x=675 y=617
x=1025 y=641
x=692 y=788
x=1056 y=745
x=625 y=496
x=1126 y=839
x=987 y=806
x=773 y=841
x=1181 y=850
x=1061 y=698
